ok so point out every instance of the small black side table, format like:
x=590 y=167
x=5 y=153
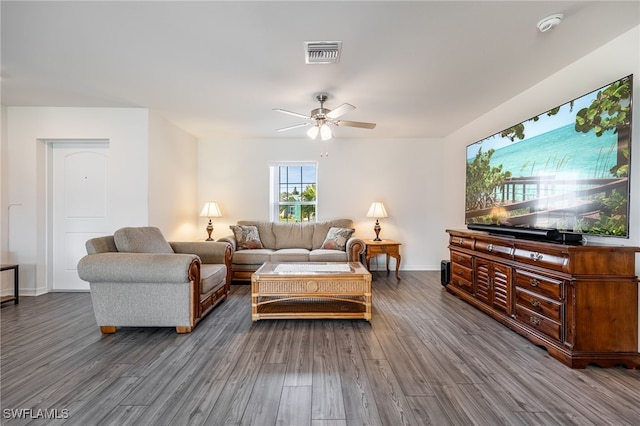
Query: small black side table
x=15 y=284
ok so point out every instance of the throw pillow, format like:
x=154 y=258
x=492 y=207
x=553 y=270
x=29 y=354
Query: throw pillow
x=247 y=237
x=337 y=238
x=144 y=239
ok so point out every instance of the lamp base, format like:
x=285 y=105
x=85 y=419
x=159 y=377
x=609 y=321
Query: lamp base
x=209 y=231
x=376 y=229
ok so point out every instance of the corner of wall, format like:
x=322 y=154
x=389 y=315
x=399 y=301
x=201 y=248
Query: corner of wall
x=173 y=179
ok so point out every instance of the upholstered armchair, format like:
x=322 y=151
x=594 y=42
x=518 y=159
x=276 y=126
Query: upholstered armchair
x=139 y=279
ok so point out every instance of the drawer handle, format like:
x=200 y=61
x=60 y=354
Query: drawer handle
x=536 y=256
x=490 y=247
x=534 y=302
x=459 y=258
x=534 y=282
x=460 y=241
x=459 y=271
x=534 y=320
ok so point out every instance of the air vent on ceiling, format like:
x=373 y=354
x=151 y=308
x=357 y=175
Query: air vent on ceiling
x=322 y=52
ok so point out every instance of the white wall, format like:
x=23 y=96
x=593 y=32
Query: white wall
x=406 y=174
x=173 y=189
x=126 y=129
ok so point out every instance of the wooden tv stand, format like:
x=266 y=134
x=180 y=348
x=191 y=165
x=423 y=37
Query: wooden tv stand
x=580 y=302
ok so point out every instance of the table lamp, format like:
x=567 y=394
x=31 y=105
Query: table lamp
x=377 y=210
x=210 y=210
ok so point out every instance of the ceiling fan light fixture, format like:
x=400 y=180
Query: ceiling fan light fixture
x=313 y=132
x=321 y=118
x=325 y=132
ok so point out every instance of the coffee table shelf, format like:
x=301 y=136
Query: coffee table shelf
x=309 y=294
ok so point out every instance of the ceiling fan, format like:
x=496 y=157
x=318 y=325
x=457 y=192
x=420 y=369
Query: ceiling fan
x=321 y=117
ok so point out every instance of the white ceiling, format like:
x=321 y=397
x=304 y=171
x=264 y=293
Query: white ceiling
x=217 y=69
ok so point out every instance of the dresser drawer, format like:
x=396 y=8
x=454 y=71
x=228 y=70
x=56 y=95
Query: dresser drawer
x=556 y=261
x=541 y=323
x=494 y=249
x=462 y=277
x=541 y=305
x=375 y=250
x=461 y=242
x=461 y=259
x=540 y=284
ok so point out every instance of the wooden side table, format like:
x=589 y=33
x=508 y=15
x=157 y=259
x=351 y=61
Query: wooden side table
x=16 y=280
x=389 y=247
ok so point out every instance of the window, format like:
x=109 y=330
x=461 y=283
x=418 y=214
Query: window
x=293 y=193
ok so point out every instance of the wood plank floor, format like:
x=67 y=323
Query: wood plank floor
x=425 y=358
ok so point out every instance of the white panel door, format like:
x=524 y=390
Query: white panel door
x=79 y=206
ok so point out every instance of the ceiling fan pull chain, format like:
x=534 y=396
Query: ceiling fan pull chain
x=323 y=153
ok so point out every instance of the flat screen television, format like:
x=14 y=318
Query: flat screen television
x=558 y=175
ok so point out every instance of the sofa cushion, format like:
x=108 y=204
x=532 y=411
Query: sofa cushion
x=293 y=235
x=212 y=277
x=320 y=230
x=321 y=255
x=264 y=230
x=145 y=239
x=337 y=238
x=247 y=237
x=290 y=255
x=251 y=257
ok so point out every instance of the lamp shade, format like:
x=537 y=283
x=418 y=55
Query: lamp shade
x=210 y=209
x=377 y=210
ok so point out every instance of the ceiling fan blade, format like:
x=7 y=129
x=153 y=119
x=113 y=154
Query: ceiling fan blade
x=295 y=114
x=355 y=124
x=292 y=127
x=340 y=110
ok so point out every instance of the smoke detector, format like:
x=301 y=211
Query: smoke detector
x=550 y=22
x=322 y=52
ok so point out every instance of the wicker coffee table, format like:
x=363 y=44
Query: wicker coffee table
x=336 y=290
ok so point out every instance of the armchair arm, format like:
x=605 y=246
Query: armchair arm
x=355 y=247
x=207 y=251
x=140 y=268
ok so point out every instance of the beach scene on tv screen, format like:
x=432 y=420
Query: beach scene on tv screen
x=565 y=169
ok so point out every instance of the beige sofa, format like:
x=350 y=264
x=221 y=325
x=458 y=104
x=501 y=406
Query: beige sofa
x=328 y=241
